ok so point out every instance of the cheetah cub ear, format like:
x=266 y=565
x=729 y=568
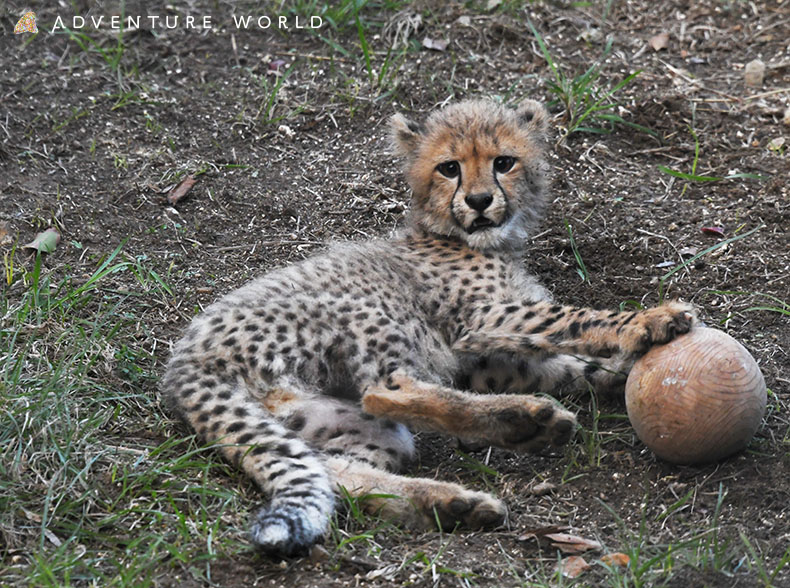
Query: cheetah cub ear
x=534 y=118
x=405 y=135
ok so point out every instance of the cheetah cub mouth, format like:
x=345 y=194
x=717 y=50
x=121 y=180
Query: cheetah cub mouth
x=480 y=223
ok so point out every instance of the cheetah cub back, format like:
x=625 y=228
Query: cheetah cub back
x=313 y=376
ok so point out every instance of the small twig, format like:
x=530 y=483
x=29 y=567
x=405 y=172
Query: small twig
x=311 y=56
x=769 y=93
x=768 y=28
x=667 y=239
x=697 y=83
x=235 y=49
x=654 y=150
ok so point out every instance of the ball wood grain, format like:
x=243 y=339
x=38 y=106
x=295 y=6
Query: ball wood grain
x=697 y=399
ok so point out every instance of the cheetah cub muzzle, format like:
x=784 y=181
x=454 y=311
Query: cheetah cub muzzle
x=314 y=376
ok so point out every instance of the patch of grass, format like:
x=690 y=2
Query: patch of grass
x=591 y=441
x=430 y=565
x=632 y=304
x=89 y=494
x=694 y=177
x=76 y=114
x=757 y=562
x=581 y=269
x=780 y=306
x=691 y=260
x=354 y=530
x=112 y=55
x=367 y=19
x=486 y=473
x=340 y=16
x=124 y=98
x=654 y=564
x=587 y=100
x=588 y=451
x=772 y=303
x=269 y=101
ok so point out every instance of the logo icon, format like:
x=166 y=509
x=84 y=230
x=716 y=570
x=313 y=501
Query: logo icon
x=26 y=24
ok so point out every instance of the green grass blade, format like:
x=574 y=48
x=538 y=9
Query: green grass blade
x=694 y=258
x=689 y=177
x=364 y=43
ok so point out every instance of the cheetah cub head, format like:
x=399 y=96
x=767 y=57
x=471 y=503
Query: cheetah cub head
x=476 y=171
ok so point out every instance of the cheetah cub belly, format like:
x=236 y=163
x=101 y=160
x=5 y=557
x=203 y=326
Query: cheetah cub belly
x=313 y=376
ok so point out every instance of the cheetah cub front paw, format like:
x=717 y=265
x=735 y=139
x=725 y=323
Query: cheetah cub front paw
x=656 y=326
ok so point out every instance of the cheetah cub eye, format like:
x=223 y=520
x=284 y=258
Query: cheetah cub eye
x=449 y=169
x=504 y=163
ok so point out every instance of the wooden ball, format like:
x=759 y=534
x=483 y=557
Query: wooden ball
x=697 y=399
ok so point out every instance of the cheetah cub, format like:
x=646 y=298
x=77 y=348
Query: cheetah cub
x=313 y=376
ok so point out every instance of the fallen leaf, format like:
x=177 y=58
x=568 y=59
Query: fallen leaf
x=36 y=518
x=435 y=44
x=318 y=554
x=572 y=543
x=659 y=41
x=45 y=242
x=717 y=231
x=573 y=566
x=53 y=538
x=276 y=65
x=181 y=189
x=616 y=559
x=541 y=532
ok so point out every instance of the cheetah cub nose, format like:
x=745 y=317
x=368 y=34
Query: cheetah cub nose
x=479 y=202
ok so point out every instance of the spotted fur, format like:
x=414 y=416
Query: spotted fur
x=314 y=375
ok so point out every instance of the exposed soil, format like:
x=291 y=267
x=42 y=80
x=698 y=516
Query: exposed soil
x=96 y=158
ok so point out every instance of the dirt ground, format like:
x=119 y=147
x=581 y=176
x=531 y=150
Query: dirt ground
x=94 y=150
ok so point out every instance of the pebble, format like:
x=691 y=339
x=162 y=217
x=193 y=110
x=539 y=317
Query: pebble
x=543 y=488
x=753 y=73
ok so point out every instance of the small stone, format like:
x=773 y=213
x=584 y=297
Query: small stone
x=786 y=118
x=659 y=41
x=543 y=488
x=753 y=73
x=592 y=36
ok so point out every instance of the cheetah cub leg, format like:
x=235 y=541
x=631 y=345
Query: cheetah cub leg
x=557 y=375
x=540 y=327
x=417 y=503
x=512 y=421
x=336 y=427
x=364 y=451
